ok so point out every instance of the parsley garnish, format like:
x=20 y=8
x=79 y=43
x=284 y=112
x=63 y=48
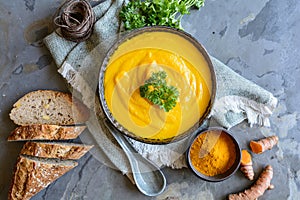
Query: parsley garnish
x=158 y=92
x=137 y=13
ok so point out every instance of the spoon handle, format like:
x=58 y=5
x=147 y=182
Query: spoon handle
x=128 y=149
x=148 y=177
x=138 y=163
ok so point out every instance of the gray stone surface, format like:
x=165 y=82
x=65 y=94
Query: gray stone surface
x=259 y=39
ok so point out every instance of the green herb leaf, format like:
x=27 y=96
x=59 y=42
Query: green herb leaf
x=158 y=92
x=137 y=14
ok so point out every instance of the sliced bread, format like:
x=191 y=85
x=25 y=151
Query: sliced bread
x=34 y=174
x=70 y=151
x=49 y=107
x=45 y=132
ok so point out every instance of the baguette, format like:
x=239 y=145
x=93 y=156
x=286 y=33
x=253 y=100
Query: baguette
x=48 y=107
x=45 y=132
x=34 y=174
x=70 y=151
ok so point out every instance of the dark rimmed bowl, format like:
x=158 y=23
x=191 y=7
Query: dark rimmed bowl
x=131 y=35
x=230 y=171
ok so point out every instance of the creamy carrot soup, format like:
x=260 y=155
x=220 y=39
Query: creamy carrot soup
x=134 y=62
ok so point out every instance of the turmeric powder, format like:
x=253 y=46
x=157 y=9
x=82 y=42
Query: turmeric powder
x=212 y=153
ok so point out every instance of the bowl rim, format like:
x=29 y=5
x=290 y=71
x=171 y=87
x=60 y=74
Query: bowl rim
x=137 y=32
x=228 y=173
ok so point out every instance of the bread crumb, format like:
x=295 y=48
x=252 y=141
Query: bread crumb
x=18 y=105
x=46 y=117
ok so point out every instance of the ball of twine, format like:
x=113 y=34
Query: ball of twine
x=75 y=19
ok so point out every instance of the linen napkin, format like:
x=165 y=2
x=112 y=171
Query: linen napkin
x=237 y=99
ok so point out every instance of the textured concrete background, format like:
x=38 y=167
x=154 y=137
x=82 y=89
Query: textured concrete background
x=258 y=39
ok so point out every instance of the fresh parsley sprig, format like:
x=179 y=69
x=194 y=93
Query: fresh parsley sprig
x=137 y=13
x=158 y=92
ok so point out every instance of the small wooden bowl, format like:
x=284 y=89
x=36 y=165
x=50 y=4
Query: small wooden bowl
x=226 y=174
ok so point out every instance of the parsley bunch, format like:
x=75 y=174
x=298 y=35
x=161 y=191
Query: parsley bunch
x=158 y=92
x=137 y=14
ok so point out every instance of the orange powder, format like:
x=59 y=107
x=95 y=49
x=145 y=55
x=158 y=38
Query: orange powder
x=212 y=153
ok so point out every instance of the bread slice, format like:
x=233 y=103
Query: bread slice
x=34 y=174
x=70 y=151
x=48 y=107
x=45 y=132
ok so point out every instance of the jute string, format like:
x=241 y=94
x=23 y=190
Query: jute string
x=75 y=19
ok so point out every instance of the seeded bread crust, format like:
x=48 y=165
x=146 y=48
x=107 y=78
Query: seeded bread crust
x=49 y=107
x=69 y=151
x=34 y=174
x=45 y=132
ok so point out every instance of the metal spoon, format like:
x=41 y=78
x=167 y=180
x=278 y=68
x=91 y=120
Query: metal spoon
x=148 y=178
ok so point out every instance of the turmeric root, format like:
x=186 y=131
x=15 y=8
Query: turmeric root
x=246 y=165
x=263 y=144
x=261 y=185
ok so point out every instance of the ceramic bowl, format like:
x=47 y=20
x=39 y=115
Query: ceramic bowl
x=220 y=177
x=132 y=34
